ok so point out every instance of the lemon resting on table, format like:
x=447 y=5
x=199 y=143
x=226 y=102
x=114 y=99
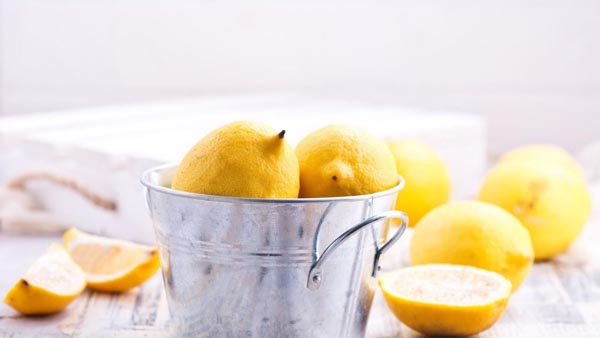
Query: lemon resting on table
x=544 y=153
x=240 y=159
x=341 y=160
x=111 y=265
x=49 y=285
x=476 y=234
x=444 y=299
x=427 y=183
x=547 y=193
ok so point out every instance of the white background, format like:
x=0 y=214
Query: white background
x=531 y=67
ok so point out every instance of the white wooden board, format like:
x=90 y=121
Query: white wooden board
x=107 y=148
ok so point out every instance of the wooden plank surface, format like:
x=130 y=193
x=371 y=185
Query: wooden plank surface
x=560 y=298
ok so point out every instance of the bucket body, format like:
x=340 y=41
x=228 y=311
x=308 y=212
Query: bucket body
x=241 y=267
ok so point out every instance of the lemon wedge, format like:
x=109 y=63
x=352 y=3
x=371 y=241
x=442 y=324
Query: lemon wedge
x=445 y=299
x=111 y=265
x=50 y=284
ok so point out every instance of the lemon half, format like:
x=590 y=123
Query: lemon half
x=444 y=299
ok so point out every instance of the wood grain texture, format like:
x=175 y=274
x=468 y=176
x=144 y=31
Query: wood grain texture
x=560 y=298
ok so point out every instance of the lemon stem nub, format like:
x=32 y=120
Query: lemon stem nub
x=281 y=134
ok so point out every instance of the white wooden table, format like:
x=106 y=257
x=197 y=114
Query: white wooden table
x=560 y=298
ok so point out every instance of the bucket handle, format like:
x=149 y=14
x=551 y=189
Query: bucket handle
x=315 y=274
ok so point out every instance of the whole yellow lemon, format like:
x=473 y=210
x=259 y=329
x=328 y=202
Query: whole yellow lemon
x=240 y=159
x=427 y=183
x=550 y=201
x=544 y=153
x=476 y=234
x=340 y=160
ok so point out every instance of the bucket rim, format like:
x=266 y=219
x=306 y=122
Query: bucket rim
x=146 y=181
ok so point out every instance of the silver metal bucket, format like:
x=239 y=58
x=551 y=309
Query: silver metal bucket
x=269 y=268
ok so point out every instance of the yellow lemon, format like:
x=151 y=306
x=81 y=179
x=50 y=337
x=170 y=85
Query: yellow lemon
x=476 y=234
x=50 y=284
x=427 y=183
x=551 y=202
x=340 y=160
x=545 y=153
x=109 y=264
x=240 y=159
x=446 y=300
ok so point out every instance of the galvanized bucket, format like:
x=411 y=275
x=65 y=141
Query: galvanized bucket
x=269 y=268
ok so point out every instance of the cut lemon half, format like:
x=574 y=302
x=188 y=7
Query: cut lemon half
x=444 y=299
x=111 y=265
x=50 y=284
